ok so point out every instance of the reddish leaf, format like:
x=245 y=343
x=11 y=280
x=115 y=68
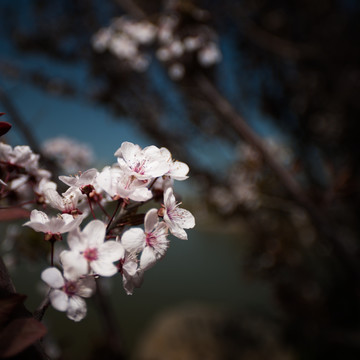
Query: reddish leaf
x=13 y=214
x=19 y=334
x=1 y=113
x=4 y=127
x=7 y=306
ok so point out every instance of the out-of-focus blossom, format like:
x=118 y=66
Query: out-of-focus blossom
x=19 y=156
x=176 y=71
x=172 y=39
x=209 y=55
x=69 y=154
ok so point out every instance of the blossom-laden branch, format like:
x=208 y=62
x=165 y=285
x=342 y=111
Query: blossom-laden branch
x=104 y=248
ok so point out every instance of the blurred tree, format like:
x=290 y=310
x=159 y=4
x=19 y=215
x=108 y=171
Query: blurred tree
x=190 y=73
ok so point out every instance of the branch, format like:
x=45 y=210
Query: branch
x=240 y=127
x=112 y=333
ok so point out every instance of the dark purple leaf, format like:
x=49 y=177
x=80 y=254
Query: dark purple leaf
x=4 y=127
x=19 y=334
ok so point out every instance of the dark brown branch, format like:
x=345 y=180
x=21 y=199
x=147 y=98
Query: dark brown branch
x=112 y=333
x=131 y=8
x=6 y=284
x=239 y=125
x=276 y=45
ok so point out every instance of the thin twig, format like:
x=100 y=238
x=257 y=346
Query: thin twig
x=113 y=215
x=112 y=333
x=40 y=311
x=239 y=125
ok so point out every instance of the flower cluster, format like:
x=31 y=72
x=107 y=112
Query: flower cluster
x=21 y=175
x=177 y=42
x=246 y=179
x=70 y=155
x=109 y=244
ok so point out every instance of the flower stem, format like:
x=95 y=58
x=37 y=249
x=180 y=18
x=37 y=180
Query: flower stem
x=40 y=311
x=91 y=208
x=103 y=210
x=113 y=215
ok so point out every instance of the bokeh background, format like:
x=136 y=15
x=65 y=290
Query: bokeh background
x=261 y=99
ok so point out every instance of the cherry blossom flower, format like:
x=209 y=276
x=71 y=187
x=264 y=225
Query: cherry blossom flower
x=177 y=219
x=132 y=276
x=178 y=170
x=40 y=222
x=152 y=242
x=85 y=181
x=119 y=184
x=90 y=252
x=68 y=203
x=143 y=164
x=20 y=156
x=67 y=292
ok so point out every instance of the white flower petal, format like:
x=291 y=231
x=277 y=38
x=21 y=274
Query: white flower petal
x=178 y=232
x=133 y=240
x=107 y=181
x=128 y=151
x=38 y=216
x=75 y=241
x=132 y=282
x=148 y=258
x=140 y=194
x=130 y=267
x=103 y=268
x=178 y=170
x=169 y=198
x=76 y=309
x=184 y=218
x=68 y=180
x=86 y=287
x=111 y=251
x=59 y=300
x=74 y=264
x=87 y=177
x=53 y=277
x=94 y=232
x=54 y=199
x=151 y=220
x=70 y=223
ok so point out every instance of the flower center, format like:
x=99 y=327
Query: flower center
x=151 y=239
x=139 y=168
x=70 y=288
x=91 y=254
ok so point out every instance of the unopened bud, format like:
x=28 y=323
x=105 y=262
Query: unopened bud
x=161 y=212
